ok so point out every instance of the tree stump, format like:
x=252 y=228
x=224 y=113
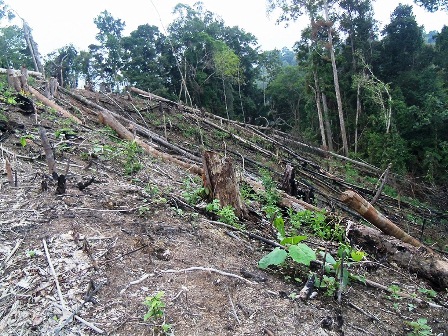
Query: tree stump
x=288 y=182
x=221 y=182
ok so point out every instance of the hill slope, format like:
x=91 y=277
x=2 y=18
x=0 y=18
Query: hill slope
x=130 y=234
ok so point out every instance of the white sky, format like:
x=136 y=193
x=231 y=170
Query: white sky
x=56 y=23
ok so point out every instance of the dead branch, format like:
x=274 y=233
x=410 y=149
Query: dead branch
x=108 y=119
x=53 y=272
x=402 y=294
x=16 y=247
x=113 y=119
x=18 y=72
x=90 y=325
x=383 y=179
x=209 y=269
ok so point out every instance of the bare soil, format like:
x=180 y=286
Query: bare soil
x=127 y=237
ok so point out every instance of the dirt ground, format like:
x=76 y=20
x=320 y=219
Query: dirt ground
x=124 y=238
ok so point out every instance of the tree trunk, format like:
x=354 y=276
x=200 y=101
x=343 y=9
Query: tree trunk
x=365 y=209
x=49 y=156
x=220 y=179
x=336 y=83
x=49 y=103
x=107 y=119
x=426 y=265
x=32 y=45
x=319 y=110
x=288 y=182
x=358 y=112
x=327 y=123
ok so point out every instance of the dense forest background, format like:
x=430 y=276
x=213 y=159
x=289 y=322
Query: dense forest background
x=379 y=96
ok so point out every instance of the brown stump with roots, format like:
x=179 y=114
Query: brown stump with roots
x=220 y=180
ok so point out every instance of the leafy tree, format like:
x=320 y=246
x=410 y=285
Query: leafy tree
x=403 y=40
x=270 y=64
x=15 y=52
x=293 y=9
x=143 y=61
x=433 y=5
x=5 y=11
x=61 y=65
x=107 y=56
x=204 y=47
x=287 y=96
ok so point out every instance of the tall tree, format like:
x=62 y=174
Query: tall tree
x=61 y=65
x=15 y=52
x=144 y=66
x=403 y=40
x=433 y=5
x=293 y=9
x=107 y=56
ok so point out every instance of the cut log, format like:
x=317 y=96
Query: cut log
x=18 y=72
x=109 y=120
x=140 y=129
x=51 y=104
x=221 y=181
x=365 y=209
x=427 y=265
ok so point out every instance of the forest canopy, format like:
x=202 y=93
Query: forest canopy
x=379 y=96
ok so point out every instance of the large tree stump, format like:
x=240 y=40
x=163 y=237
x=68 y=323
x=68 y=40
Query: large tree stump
x=221 y=181
x=288 y=182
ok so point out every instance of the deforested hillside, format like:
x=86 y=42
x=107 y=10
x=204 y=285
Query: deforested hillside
x=121 y=234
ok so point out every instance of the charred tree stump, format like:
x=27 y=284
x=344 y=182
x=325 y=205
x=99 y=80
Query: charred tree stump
x=221 y=181
x=365 y=209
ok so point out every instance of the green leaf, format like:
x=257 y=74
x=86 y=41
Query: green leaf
x=302 y=254
x=293 y=240
x=357 y=255
x=276 y=257
x=328 y=258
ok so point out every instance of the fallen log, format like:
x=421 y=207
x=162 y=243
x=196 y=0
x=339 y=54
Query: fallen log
x=18 y=72
x=52 y=104
x=416 y=260
x=109 y=120
x=365 y=209
x=140 y=129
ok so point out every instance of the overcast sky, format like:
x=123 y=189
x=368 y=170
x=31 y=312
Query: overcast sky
x=56 y=23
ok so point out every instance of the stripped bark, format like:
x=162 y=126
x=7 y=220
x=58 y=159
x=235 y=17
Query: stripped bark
x=364 y=208
x=51 y=104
